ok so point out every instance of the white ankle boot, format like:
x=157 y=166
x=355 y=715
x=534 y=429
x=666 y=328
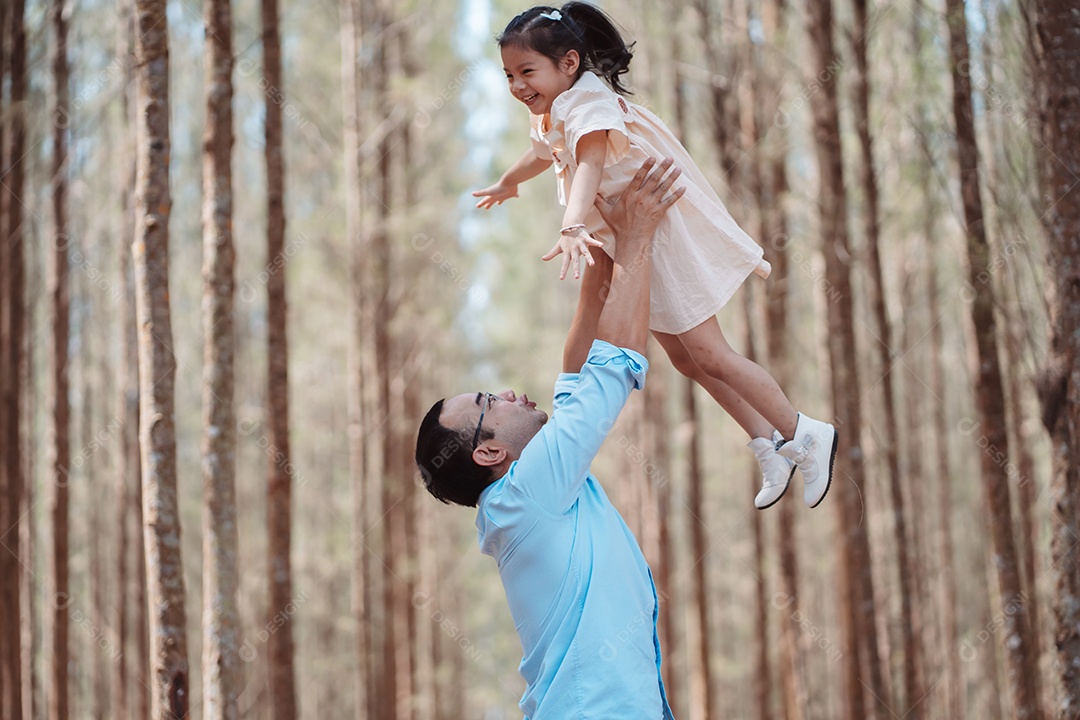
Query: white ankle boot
x=813 y=450
x=776 y=471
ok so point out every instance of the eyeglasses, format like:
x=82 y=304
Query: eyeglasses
x=488 y=400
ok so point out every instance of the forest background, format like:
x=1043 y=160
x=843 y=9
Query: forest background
x=930 y=583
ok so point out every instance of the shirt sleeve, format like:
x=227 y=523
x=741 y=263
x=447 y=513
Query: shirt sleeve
x=554 y=465
x=564 y=385
x=582 y=110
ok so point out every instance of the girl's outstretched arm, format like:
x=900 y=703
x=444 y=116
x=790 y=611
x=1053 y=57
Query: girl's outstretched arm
x=574 y=241
x=527 y=167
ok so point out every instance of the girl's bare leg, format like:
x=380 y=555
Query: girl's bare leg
x=733 y=403
x=710 y=351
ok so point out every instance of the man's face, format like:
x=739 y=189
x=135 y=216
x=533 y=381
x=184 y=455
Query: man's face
x=514 y=419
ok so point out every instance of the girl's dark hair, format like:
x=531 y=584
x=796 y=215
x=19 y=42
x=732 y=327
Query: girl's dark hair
x=444 y=458
x=582 y=27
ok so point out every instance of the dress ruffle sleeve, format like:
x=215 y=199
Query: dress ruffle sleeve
x=590 y=106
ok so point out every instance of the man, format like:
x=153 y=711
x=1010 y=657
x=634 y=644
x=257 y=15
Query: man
x=579 y=589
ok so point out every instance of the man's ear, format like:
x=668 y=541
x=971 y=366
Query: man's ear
x=489 y=454
x=570 y=62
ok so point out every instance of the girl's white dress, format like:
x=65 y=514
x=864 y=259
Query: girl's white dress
x=700 y=255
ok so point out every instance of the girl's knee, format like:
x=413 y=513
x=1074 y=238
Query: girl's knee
x=685 y=364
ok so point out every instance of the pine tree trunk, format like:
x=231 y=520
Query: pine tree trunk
x=390 y=690
x=905 y=564
x=946 y=601
x=773 y=235
x=703 y=702
x=100 y=684
x=1057 y=78
x=1023 y=474
x=61 y=419
x=280 y=647
x=221 y=624
x=126 y=391
x=357 y=360
x=755 y=187
x=410 y=400
x=1021 y=471
x=7 y=389
x=989 y=389
x=12 y=337
x=169 y=681
x=31 y=640
x=860 y=627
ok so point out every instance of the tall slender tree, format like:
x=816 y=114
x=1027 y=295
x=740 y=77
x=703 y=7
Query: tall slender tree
x=169 y=678
x=773 y=233
x=753 y=184
x=61 y=410
x=945 y=599
x=383 y=313
x=989 y=389
x=7 y=566
x=871 y=229
x=860 y=626
x=127 y=387
x=1057 y=75
x=7 y=388
x=358 y=357
x=12 y=338
x=279 y=494
x=221 y=624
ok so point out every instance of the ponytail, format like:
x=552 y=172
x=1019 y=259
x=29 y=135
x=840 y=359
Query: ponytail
x=606 y=53
x=581 y=27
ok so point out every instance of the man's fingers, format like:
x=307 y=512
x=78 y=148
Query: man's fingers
x=672 y=198
x=657 y=176
x=642 y=172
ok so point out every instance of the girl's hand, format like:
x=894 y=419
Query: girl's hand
x=573 y=245
x=496 y=194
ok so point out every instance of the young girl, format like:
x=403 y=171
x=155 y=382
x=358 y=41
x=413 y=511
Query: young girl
x=554 y=59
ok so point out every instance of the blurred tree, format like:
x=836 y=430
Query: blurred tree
x=61 y=419
x=861 y=637
x=1056 y=79
x=170 y=681
x=989 y=389
x=13 y=335
x=282 y=679
x=127 y=411
x=773 y=233
x=359 y=358
x=221 y=624
x=906 y=566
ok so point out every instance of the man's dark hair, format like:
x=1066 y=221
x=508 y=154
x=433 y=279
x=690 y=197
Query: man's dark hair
x=444 y=457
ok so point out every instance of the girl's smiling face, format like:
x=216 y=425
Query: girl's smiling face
x=536 y=79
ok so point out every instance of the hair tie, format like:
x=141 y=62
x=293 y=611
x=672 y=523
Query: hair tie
x=553 y=15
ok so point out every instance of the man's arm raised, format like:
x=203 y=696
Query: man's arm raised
x=635 y=217
x=624 y=321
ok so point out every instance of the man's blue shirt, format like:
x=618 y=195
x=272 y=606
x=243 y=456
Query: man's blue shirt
x=580 y=592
